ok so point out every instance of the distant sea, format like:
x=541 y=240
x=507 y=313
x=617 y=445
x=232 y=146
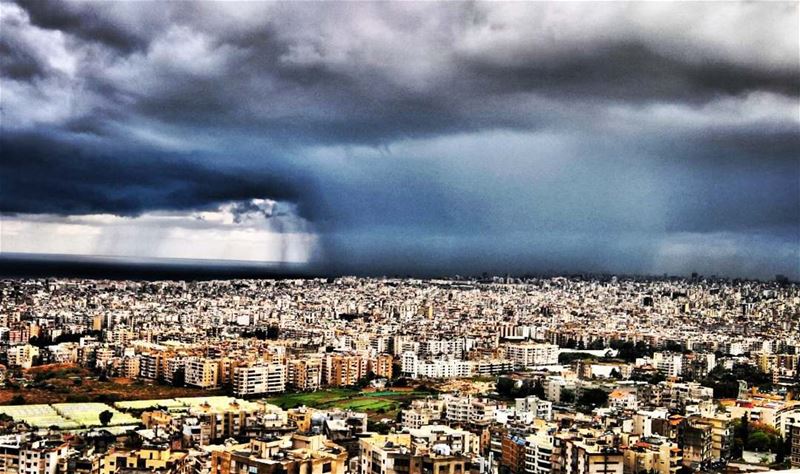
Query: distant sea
x=27 y=265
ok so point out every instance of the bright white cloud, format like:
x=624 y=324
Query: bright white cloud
x=258 y=230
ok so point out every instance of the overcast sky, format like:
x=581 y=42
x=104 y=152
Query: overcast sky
x=406 y=138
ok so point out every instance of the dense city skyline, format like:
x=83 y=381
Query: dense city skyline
x=395 y=375
x=406 y=138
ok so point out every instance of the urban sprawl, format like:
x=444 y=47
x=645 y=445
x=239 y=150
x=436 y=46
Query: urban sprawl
x=399 y=376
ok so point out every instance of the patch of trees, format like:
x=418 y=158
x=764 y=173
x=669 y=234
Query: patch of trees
x=570 y=357
x=43 y=341
x=364 y=381
x=510 y=388
x=757 y=437
x=271 y=333
x=726 y=382
x=567 y=396
x=652 y=378
x=105 y=417
x=352 y=316
x=378 y=427
x=591 y=399
x=17 y=400
x=629 y=351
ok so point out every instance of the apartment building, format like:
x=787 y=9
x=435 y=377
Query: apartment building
x=529 y=408
x=677 y=395
x=443 y=369
x=592 y=457
x=381 y=365
x=513 y=454
x=422 y=412
x=459 y=441
x=43 y=457
x=146 y=459
x=304 y=374
x=721 y=434
x=22 y=356
x=490 y=367
x=259 y=378
x=697 y=443
x=344 y=370
x=793 y=435
x=10 y=446
x=468 y=410
x=130 y=367
x=539 y=454
x=201 y=372
x=527 y=355
x=395 y=454
x=292 y=453
x=152 y=365
x=652 y=454
x=668 y=363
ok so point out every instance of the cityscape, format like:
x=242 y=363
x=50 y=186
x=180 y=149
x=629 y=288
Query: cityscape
x=560 y=375
x=399 y=237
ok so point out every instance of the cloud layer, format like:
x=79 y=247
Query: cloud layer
x=422 y=137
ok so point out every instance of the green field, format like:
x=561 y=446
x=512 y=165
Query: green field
x=385 y=403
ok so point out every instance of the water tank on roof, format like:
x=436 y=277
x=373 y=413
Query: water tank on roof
x=441 y=449
x=318 y=418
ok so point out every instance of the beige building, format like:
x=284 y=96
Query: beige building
x=292 y=453
x=146 y=459
x=304 y=374
x=652 y=454
x=201 y=372
x=344 y=370
x=397 y=454
x=591 y=457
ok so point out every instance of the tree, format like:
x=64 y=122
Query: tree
x=179 y=377
x=105 y=417
x=780 y=449
x=726 y=382
x=741 y=431
x=568 y=357
x=505 y=386
x=593 y=398
x=17 y=400
x=364 y=381
x=759 y=441
x=597 y=344
x=378 y=427
x=567 y=396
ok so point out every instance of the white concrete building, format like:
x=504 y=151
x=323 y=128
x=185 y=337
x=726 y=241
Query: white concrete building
x=255 y=379
x=530 y=408
x=532 y=354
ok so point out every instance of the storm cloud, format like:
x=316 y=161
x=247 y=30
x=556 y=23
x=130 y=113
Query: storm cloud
x=422 y=138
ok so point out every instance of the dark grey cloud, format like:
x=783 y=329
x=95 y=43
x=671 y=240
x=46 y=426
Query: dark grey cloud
x=43 y=174
x=632 y=71
x=448 y=135
x=19 y=63
x=83 y=22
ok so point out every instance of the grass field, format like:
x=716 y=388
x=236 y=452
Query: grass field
x=57 y=384
x=377 y=404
